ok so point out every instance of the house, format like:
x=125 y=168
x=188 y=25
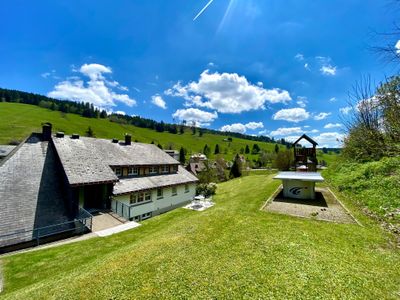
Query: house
x=50 y=184
x=135 y=180
x=173 y=153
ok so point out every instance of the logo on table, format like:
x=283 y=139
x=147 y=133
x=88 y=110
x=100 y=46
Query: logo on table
x=296 y=190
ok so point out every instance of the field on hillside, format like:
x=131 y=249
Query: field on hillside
x=19 y=120
x=232 y=250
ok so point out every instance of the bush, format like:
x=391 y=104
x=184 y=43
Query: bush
x=206 y=189
x=283 y=160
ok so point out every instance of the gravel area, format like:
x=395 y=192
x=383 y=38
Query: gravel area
x=325 y=207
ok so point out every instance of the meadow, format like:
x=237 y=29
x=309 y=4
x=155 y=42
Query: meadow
x=232 y=250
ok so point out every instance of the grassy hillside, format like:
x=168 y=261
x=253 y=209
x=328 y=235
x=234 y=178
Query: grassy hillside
x=374 y=185
x=19 y=120
x=230 y=251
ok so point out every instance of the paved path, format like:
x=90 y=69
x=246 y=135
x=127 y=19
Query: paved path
x=117 y=229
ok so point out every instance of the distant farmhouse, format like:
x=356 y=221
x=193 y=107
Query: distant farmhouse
x=51 y=180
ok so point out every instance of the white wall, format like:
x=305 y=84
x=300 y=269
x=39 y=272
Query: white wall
x=157 y=206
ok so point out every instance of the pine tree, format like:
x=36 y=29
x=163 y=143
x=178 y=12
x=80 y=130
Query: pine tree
x=216 y=151
x=89 y=132
x=276 y=148
x=236 y=170
x=206 y=150
x=182 y=157
x=255 y=149
x=247 y=150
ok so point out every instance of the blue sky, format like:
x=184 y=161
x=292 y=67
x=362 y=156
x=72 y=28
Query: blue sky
x=278 y=68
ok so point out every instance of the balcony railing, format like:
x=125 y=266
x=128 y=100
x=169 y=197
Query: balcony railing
x=81 y=224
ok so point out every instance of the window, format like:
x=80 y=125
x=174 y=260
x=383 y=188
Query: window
x=147 y=196
x=140 y=197
x=133 y=171
x=174 y=191
x=132 y=198
x=118 y=171
x=159 y=193
x=165 y=169
x=175 y=168
x=186 y=188
x=146 y=216
x=153 y=170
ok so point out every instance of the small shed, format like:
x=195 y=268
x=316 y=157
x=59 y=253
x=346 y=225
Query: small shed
x=305 y=158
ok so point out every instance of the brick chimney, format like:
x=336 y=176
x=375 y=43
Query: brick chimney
x=128 y=139
x=46 y=131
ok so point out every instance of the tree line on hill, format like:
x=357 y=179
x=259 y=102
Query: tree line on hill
x=88 y=110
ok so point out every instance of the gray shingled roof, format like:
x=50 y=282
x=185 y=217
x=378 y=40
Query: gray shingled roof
x=30 y=192
x=88 y=160
x=151 y=182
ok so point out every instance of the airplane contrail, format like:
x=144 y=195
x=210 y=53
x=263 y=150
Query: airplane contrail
x=202 y=10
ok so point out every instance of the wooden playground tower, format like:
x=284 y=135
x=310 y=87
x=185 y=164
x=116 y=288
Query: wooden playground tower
x=305 y=158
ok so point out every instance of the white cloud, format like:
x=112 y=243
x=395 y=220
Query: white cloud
x=326 y=65
x=333 y=99
x=241 y=128
x=120 y=112
x=263 y=132
x=237 y=127
x=97 y=90
x=227 y=93
x=397 y=46
x=302 y=101
x=321 y=116
x=345 y=110
x=329 y=139
x=307 y=66
x=254 y=125
x=45 y=75
x=328 y=70
x=292 y=115
x=157 y=100
x=299 y=57
x=285 y=131
x=332 y=125
x=199 y=117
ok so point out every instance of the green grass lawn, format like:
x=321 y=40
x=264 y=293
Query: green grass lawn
x=230 y=251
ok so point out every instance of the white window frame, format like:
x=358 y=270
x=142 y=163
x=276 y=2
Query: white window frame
x=174 y=188
x=133 y=198
x=140 y=197
x=131 y=171
x=118 y=171
x=160 y=195
x=164 y=169
x=153 y=170
x=146 y=216
x=147 y=196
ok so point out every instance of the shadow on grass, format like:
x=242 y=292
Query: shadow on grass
x=318 y=201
